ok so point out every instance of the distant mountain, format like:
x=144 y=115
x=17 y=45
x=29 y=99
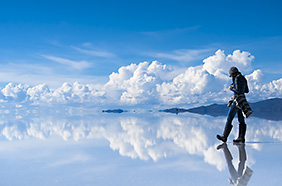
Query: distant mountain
x=213 y=110
x=270 y=109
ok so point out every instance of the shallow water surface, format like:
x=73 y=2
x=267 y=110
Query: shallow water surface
x=135 y=149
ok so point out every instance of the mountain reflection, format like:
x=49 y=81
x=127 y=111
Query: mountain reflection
x=241 y=176
x=142 y=136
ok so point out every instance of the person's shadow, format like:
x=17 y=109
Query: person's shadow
x=243 y=175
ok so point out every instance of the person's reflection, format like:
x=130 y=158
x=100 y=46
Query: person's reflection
x=243 y=175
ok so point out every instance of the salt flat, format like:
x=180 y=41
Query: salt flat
x=135 y=149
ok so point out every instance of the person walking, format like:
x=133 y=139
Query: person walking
x=238 y=105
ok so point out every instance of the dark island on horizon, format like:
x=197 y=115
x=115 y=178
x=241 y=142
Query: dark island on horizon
x=114 y=111
x=270 y=109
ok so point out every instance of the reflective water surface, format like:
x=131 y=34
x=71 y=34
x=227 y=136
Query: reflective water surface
x=93 y=148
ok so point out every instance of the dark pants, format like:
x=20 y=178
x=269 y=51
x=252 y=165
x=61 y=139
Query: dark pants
x=231 y=114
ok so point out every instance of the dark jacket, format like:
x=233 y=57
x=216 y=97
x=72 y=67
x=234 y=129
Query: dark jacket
x=239 y=85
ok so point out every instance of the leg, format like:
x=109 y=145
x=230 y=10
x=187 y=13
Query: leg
x=228 y=126
x=231 y=114
x=242 y=128
x=241 y=118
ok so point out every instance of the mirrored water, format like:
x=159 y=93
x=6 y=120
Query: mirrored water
x=76 y=147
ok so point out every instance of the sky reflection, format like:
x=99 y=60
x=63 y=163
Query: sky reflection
x=115 y=144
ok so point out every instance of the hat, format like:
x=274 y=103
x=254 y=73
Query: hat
x=233 y=70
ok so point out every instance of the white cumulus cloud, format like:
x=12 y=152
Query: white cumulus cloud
x=153 y=83
x=135 y=84
x=219 y=64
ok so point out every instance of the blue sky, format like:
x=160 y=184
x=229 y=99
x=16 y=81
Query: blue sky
x=56 y=41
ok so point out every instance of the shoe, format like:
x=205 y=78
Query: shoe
x=242 y=133
x=226 y=133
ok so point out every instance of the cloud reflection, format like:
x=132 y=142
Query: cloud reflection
x=142 y=136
